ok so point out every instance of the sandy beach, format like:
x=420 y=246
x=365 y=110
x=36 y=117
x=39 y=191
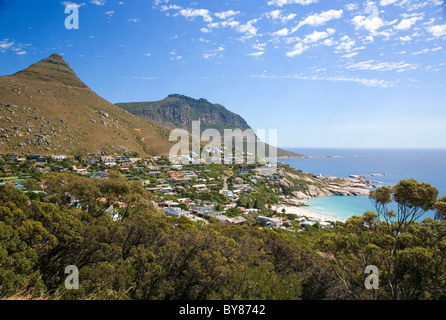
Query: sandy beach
x=303 y=212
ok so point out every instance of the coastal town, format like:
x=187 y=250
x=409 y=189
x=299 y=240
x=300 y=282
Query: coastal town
x=203 y=193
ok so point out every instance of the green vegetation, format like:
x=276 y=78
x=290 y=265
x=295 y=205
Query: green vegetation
x=146 y=255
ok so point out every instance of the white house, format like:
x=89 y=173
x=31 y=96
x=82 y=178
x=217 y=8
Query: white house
x=58 y=158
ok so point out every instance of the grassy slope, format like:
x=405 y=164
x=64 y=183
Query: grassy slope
x=48 y=98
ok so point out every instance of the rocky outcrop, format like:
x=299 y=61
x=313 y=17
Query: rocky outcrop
x=293 y=202
x=303 y=187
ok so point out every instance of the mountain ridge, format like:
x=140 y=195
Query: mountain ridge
x=178 y=111
x=47 y=109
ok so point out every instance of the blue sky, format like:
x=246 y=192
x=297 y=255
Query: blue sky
x=325 y=73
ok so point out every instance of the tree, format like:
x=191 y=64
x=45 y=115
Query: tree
x=393 y=244
x=440 y=207
x=413 y=200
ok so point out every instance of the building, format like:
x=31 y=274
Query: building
x=176 y=212
x=92 y=161
x=269 y=222
x=59 y=157
x=190 y=174
x=13 y=157
x=135 y=160
x=202 y=211
x=108 y=161
x=200 y=187
x=169 y=204
x=165 y=188
x=80 y=171
x=121 y=159
x=99 y=174
x=176 y=167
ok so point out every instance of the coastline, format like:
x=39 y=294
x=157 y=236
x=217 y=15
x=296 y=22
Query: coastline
x=304 y=212
x=309 y=214
x=328 y=186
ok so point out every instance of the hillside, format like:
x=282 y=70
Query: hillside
x=178 y=111
x=47 y=109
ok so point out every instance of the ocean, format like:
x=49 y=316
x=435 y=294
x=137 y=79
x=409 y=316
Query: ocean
x=424 y=165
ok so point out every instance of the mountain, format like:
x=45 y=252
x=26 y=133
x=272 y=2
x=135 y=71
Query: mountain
x=46 y=109
x=178 y=111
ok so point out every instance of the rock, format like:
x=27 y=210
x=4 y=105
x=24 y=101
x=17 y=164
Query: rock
x=300 y=195
x=103 y=114
x=294 y=203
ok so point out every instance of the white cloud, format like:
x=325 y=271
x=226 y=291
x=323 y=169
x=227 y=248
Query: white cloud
x=350 y=55
x=259 y=46
x=382 y=66
x=6 y=44
x=405 y=39
x=170 y=7
x=351 y=6
x=282 y=32
x=193 y=13
x=213 y=53
x=110 y=13
x=99 y=2
x=438 y=30
x=370 y=24
x=377 y=83
x=158 y=2
x=368 y=39
x=281 y=3
x=421 y=52
x=226 y=14
x=365 y=82
x=71 y=4
x=299 y=48
x=277 y=15
x=346 y=44
x=387 y=2
x=256 y=54
x=316 y=20
x=317 y=36
x=248 y=28
x=18 y=48
x=329 y=42
x=135 y=20
x=406 y=24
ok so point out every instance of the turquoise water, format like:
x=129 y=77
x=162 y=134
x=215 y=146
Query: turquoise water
x=424 y=165
x=340 y=207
